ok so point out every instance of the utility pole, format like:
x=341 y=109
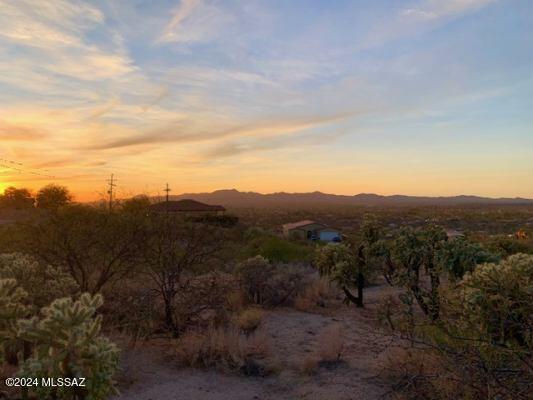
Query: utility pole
x=112 y=184
x=167 y=189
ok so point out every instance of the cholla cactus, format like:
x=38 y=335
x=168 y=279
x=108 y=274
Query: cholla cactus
x=43 y=283
x=497 y=300
x=11 y=309
x=67 y=343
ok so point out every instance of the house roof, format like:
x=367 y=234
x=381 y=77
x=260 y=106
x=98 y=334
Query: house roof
x=185 y=205
x=300 y=224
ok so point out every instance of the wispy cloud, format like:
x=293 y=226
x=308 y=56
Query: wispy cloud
x=194 y=21
x=190 y=131
x=418 y=17
x=47 y=24
x=430 y=10
x=55 y=33
x=17 y=132
x=152 y=89
x=301 y=141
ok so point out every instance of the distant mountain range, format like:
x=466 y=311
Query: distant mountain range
x=234 y=198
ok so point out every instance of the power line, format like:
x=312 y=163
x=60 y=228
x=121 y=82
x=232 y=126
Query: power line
x=11 y=165
x=167 y=189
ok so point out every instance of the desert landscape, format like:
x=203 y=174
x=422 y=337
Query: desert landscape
x=179 y=299
x=266 y=199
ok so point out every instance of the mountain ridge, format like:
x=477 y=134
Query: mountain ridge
x=235 y=198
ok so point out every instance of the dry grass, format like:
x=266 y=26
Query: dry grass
x=236 y=301
x=248 y=320
x=418 y=373
x=320 y=293
x=331 y=344
x=225 y=349
x=309 y=364
x=328 y=352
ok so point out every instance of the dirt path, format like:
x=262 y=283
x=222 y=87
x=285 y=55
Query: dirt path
x=294 y=336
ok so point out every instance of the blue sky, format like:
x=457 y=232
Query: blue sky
x=428 y=97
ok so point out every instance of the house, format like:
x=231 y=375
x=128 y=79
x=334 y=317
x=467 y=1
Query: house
x=187 y=207
x=310 y=230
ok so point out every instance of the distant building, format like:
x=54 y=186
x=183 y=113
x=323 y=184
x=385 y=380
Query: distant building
x=454 y=234
x=310 y=230
x=187 y=207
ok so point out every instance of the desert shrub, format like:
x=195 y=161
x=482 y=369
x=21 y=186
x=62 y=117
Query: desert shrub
x=328 y=351
x=288 y=281
x=42 y=283
x=136 y=205
x=67 y=343
x=254 y=274
x=253 y=232
x=318 y=293
x=226 y=221
x=270 y=284
x=142 y=316
x=248 y=320
x=225 y=349
x=330 y=344
x=309 y=364
x=206 y=300
x=418 y=374
x=506 y=246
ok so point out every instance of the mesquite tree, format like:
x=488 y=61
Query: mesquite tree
x=94 y=246
x=175 y=250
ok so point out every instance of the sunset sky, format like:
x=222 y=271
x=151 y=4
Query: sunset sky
x=420 y=97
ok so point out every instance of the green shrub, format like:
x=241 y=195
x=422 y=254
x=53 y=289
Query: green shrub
x=280 y=250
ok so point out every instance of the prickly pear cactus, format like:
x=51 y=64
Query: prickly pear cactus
x=67 y=344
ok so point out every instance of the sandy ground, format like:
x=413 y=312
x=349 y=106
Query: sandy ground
x=150 y=374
